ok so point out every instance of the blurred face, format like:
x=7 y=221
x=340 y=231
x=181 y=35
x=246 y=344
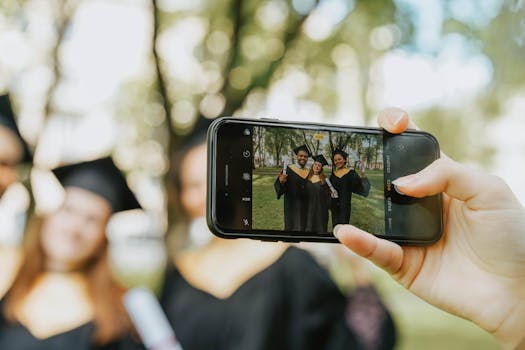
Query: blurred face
x=339 y=161
x=10 y=154
x=302 y=158
x=317 y=168
x=76 y=232
x=193 y=182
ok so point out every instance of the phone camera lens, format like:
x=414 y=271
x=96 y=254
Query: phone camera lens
x=246 y=154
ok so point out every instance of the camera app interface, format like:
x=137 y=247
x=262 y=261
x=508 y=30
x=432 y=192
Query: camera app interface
x=310 y=180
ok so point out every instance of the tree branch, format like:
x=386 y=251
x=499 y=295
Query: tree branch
x=264 y=78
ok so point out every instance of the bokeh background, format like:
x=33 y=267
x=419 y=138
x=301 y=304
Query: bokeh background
x=132 y=77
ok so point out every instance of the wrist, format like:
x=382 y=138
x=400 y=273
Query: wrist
x=511 y=334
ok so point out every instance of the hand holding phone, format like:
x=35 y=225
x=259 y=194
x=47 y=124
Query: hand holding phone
x=479 y=261
x=301 y=205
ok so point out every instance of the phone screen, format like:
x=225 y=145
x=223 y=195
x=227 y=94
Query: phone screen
x=305 y=180
x=277 y=180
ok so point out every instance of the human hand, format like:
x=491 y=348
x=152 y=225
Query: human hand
x=282 y=177
x=477 y=269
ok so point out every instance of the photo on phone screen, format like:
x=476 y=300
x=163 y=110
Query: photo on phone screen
x=311 y=180
x=274 y=180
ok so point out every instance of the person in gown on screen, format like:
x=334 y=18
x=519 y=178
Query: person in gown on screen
x=346 y=181
x=292 y=185
x=318 y=194
x=245 y=294
x=63 y=296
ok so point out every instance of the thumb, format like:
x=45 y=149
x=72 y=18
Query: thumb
x=476 y=189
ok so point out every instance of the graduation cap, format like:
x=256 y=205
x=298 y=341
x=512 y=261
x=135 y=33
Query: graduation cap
x=301 y=148
x=320 y=159
x=341 y=152
x=7 y=120
x=102 y=177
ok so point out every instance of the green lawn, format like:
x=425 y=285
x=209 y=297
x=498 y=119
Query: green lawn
x=267 y=211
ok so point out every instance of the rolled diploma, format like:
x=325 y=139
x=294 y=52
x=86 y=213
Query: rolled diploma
x=332 y=188
x=149 y=320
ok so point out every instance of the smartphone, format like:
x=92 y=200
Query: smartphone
x=282 y=181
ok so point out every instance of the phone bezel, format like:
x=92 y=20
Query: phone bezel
x=211 y=198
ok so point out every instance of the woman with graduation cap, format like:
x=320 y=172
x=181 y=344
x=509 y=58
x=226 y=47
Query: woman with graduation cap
x=13 y=148
x=63 y=296
x=345 y=181
x=318 y=194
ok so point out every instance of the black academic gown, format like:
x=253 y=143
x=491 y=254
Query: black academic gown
x=295 y=200
x=17 y=337
x=291 y=305
x=345 y=185
x=318 y=203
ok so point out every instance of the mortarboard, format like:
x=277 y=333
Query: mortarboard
x=320 y=159
x=7 y=120
x=301 y=148
x=102 y=177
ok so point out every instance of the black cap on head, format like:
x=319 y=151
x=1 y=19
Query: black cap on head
x=341 y=152
x=320 y=159
x=7 y=120
x=102 y=177
x=301 y=148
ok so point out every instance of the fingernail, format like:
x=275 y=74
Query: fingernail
x=336 y=229
x=404 y=181
x=397 y=116
x=398 y=190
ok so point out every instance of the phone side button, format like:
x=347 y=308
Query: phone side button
x=268 y=118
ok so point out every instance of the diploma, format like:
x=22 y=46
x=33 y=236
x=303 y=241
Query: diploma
x=149 y=320
x=285 y=165
x=332 y=189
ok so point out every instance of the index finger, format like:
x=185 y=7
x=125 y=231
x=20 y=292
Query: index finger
x=395 y=120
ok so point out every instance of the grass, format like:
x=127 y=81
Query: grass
x=267 y=211
x=422 y=326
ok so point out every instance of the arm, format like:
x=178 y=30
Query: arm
x=280 y=184
x=359 y=184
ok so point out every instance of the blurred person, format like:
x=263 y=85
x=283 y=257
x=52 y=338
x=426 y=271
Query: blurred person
x=246 y=294
x=13 y=152
x=257 y=304
x=292 y=185
x=13 y=148
x=318 y=195
x=477 y=269
x=63 y=295
x=345 y=181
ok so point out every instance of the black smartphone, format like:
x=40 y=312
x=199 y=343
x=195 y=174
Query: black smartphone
x=283 y=181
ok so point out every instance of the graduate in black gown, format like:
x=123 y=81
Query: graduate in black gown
x=63 y=296
x=345 y=181
x=318 y=194
x=13 y=148
x=292 y=185
x=245 y=294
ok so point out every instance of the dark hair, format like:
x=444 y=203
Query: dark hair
x=342 y=153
